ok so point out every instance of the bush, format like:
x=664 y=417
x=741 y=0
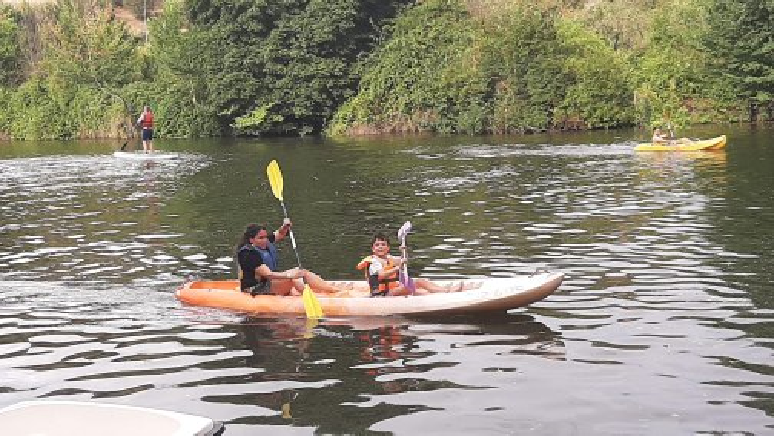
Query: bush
x=10 y=50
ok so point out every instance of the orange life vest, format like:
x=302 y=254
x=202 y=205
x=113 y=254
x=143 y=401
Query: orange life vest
x=147 y=120
x=386 y=283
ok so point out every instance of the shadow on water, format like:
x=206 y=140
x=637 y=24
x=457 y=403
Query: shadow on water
x=341 y=375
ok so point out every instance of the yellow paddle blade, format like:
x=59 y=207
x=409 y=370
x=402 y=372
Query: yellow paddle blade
x=311 y=323
x=317 y=308
x=311 y=304
x=275 y=179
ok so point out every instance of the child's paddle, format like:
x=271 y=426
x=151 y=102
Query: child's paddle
x=403 y=275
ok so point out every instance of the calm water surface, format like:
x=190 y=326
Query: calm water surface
x=662 y=326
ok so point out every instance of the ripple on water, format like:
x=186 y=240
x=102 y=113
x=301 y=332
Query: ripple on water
x=664 y=290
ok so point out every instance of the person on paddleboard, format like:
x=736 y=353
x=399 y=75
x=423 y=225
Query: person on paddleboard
x=146 y=123
x=381 y=272
x=258 y=261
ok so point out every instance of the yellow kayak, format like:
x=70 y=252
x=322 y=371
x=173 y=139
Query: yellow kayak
x=684 y=144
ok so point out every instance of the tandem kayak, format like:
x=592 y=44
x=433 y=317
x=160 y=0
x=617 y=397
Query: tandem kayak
x=482 y=295
x=685 y=145
x=141 y=155
x=82 y=418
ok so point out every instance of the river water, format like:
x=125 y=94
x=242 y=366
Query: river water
x=663 y=324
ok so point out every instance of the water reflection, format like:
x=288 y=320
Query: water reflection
x=361 y=364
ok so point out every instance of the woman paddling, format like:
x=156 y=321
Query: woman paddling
x=258 y=263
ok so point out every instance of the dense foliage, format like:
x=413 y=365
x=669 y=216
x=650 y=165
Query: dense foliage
x=671 y=72
x=85 y=58
x=523 y=70
x=9 y=46
x=297 y=67
x=419 y=79
x=741 y=37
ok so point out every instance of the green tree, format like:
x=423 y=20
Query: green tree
x=524 y=59
x=232 y=50
x=284 y=68
x=425 y=78
x=184 y=66
x=86 y=57
x=84 y=45
x=625 y=24
x=741 y=40
x=599 y=92
x=445 y=70
x=671 y=74
x=9 y=47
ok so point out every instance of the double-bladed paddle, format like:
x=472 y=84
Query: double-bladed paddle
x=311 y=304
x=403 y=275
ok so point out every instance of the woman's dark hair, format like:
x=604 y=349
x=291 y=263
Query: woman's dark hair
x=250 y=232
x=380 y=237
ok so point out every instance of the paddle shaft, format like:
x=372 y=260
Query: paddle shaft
x=404 y=251
x=292 y=238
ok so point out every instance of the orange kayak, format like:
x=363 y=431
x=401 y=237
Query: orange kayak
x=482 y=295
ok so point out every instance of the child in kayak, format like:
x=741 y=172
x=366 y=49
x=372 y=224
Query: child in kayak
x=381 y=271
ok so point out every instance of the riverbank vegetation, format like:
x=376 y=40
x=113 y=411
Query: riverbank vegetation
x=76 y=69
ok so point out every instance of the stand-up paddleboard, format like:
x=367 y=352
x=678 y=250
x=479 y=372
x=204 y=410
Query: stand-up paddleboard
x=141 y=155
x=82 y=418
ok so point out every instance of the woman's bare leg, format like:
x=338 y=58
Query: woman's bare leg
x=433 y=287
x=401 y=291
x=284 y=287
x=318 y=284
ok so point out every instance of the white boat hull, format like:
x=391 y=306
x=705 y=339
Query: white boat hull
x=78 y=418
x=140 y=155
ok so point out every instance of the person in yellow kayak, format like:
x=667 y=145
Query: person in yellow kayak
x=666 y=137
x=659 y=137
x=258 y=261
x=381 y=272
